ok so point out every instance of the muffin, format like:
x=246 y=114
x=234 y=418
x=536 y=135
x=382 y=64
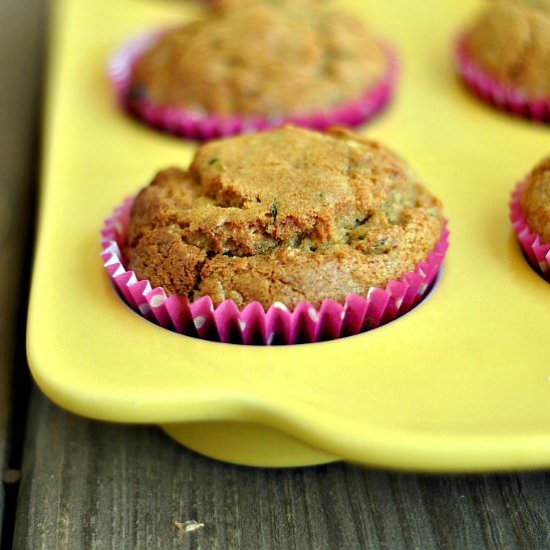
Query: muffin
x=530 y=215
x=233 y=4
x=505 y=56
x=285 y=218
x=255 y=67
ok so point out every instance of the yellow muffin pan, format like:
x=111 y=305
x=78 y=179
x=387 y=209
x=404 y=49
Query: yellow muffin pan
x=462 y=383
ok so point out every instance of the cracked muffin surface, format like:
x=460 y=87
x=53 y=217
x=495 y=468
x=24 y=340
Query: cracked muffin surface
x=511 y=41
x=283 y=216
x=266 y=59
x=535 y=200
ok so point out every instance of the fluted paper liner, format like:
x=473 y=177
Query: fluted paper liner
x=253 y=325
x=537 y=252
x=497 y=93
x=189 y=124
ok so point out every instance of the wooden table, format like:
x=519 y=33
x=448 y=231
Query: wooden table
x=86 y=484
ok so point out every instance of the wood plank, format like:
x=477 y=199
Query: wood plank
x=94 y=485
x=22 y=23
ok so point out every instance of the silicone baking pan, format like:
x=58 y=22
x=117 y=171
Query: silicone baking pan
x=461 y=383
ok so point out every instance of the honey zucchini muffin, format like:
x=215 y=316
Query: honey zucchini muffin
x=283 y=216
x=232 y=4
x=535 y=200
x=511 y=42
x=273 y=61
x=530 y=217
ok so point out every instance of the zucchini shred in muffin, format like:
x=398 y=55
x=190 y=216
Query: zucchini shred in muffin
x=505 y=57
x=255 y=67
x=530 y=216
x=288 y=217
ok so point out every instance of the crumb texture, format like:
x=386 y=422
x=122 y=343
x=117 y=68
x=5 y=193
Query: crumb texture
x=511 y=41
x=286 y=215
x=535 y=200
x=269 y=59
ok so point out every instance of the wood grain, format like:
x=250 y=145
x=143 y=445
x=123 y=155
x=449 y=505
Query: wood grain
x=22 y=23
x=94 y=485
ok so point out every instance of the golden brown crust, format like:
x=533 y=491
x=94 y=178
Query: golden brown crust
x=512 y=42
x=535 y=200
x=287 y=215
x=261 y=60
x=542 y=5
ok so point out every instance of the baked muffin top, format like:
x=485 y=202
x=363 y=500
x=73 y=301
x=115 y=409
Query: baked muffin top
x=233 y=4
x=512 y=42
x=543 y=5
x=264 y=58
x=535 y=200
x=286 y=215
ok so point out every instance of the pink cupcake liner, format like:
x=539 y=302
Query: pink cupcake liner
x=491 y=90
x=189 y=124
x=252 y=325
x=537 y=252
